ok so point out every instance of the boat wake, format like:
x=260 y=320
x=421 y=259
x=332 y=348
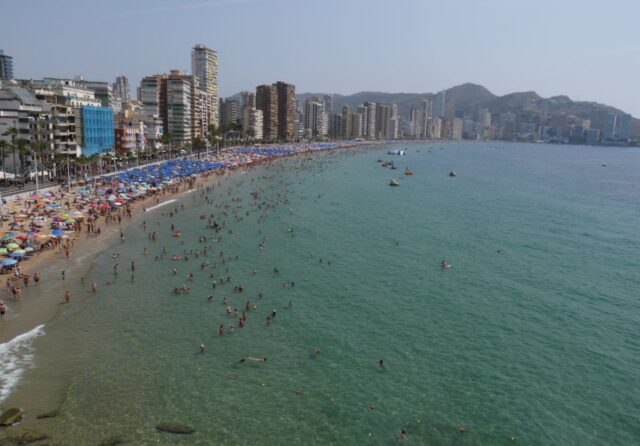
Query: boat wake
x=17 y=357
x=173 y=200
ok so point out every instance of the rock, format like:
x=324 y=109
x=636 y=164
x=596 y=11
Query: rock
x=114 y=440
x=27 y=437
x=175 y=428
x=10 y=416
x=51 y=414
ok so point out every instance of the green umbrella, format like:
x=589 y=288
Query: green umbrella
x=11 y=246
x=3 y=250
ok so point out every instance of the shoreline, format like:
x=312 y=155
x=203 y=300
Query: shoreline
x=37 y=310
x=17 y=320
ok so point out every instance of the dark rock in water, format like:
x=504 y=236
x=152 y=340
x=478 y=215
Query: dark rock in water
x=175 y=428
x=52 y=414
x=114 y=440
x=27 y=437
x=10 y=416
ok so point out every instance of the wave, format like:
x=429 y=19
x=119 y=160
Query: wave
x=17 y=357
x=164 y=203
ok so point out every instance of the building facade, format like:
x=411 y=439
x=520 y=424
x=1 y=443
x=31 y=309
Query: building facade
x=204 y=67
x=97 y=130
x=286 y=110
x=267 y=102
x=6 y=66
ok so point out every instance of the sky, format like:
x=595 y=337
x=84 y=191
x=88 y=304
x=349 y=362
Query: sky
x=585 y=49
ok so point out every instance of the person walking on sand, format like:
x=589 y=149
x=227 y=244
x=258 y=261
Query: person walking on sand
x=67 y=296
x=94 y=287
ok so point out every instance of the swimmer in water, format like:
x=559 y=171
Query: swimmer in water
x=381 y=364
x=202 y=349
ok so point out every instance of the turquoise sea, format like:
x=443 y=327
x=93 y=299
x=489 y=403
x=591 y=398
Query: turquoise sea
x=531 y=337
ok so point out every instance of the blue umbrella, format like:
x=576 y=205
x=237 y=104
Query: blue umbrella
x=17 y=254
x=57 y=232
x=9 y=262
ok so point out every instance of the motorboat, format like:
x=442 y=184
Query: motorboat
x=452 y=174
x=394 y=182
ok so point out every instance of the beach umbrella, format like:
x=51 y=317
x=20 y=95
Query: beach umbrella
x=3 y=251
x=70 y=221
x=57 y=232
x=17 y=254
x=14 y=224
x=22 y=237
x=29 y=249
x=12 y=246
x=9 y=262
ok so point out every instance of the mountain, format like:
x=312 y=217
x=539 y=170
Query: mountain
x=468 y=98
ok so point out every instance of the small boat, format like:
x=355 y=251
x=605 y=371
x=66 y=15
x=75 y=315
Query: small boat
x=394 y=182
x=407 y=172
x=604 y=164
x=452 y=174
x=385 y=164
x=393 y=167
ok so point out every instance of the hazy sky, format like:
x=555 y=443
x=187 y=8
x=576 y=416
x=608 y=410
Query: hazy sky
x=586 y=49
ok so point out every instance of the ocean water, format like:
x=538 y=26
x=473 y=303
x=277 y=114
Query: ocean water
x=531 y=337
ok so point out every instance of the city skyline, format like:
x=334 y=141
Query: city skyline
x=506 y=46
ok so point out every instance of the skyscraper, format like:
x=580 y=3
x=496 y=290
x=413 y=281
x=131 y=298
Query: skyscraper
x=441 y=102
x=204 y=67
x=121 y=89
x=267 y=101
x=625 y=127
x=286 y=109
x=6 y=66
x=370 y=120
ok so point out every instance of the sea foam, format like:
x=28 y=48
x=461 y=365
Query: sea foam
x=16 y=357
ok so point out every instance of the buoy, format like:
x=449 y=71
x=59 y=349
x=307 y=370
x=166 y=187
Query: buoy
x=461 y=430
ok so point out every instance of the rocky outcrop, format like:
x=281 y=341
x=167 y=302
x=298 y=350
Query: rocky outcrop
x=114 y=440
x=175 y=428
x=51 y=414
x=26 y=437
x=10 y=416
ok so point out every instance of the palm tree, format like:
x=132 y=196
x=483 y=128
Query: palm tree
x=38 y=148
x=166 y=139
x=20 y=146
x=13 y=133
x=3 y=146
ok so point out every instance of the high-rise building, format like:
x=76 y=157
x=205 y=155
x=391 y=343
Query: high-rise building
x=370 y=121
x=267 y=101
x=610 y=130
x=229 y=113
x=335 y=125
x=327 y=101
x=150 y=94
x=6 y=66
x=178 y=118
x=204 y=67
x=121 y=89
x=625 y=127
x=315 y=119
x=248 y=99
x=484 y=118
x=355 y=124
x=346 y=123
x=383 y=114
x=286 y=110
x=426 y=111
x=441 y=104
x=102 y=91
